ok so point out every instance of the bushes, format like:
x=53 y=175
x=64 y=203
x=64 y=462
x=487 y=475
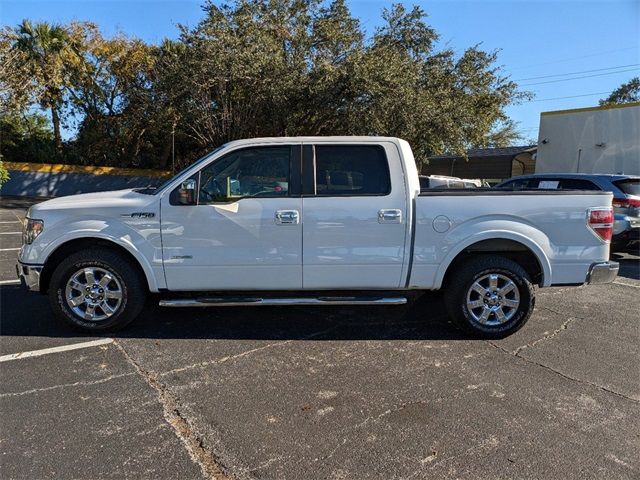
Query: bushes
x=4 y=174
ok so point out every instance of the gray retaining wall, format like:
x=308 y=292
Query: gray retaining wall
x=56 y=184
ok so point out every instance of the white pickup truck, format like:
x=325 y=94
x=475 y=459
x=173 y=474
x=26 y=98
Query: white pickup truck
x=312 y=221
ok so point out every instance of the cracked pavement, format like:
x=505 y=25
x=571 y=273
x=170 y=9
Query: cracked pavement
x=327 y=393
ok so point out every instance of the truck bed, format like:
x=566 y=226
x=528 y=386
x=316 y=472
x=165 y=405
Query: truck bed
x=448 y=222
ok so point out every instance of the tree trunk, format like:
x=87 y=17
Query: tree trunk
x=162 y=160
x=55 y=119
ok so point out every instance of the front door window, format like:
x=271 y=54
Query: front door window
x=254 y=172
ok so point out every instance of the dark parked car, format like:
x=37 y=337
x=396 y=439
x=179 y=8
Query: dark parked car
x=626 y=199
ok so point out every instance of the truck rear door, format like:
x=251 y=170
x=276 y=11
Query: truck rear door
x=354 y=216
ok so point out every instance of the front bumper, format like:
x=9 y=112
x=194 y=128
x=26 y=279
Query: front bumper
x=29 y=276
x=602 y=272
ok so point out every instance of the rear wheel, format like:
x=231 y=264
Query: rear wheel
x=96 y=291
x=490 y=297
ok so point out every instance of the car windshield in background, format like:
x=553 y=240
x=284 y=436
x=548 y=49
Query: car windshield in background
x=630 y=186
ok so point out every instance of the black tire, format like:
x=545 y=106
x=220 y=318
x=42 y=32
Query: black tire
x=458 y=292
x=131 y=289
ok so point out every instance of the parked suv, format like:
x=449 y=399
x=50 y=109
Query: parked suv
x=626 y=199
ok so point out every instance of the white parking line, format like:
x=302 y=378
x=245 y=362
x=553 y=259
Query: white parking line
x=10 y=233
x=11 y=221
x=10 y=282
x=626 y=284
x=9 y=249
x=63 y=348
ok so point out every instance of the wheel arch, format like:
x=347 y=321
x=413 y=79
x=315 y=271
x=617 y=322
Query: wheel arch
x=83 y=243
x=511 y=245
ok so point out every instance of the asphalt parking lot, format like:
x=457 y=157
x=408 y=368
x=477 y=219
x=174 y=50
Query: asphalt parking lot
x=323 y=393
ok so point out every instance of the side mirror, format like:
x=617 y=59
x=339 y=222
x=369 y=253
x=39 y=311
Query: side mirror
x=187 y=192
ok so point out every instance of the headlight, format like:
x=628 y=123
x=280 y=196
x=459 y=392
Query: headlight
x=32 y=228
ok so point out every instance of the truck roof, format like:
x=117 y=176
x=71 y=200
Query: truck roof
x=312 y=139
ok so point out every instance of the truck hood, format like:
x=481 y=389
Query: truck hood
x=99 y=200
x=101 y=204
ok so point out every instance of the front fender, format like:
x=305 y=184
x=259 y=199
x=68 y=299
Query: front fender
x=139 y=240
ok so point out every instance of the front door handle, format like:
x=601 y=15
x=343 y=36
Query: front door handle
x=390 y=215
x=287 y=217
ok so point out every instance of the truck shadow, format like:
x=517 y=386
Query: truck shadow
x=28 y=315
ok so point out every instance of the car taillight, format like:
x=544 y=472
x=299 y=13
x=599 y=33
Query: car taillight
x=600 y=221
x=627 y=203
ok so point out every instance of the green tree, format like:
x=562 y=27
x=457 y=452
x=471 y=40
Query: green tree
x=626 y=93
x=26 y=138
x=169 y=110
x=15 y=84
x=43 y=47
x=285 y=67
x=108 y=94
x=255 y=68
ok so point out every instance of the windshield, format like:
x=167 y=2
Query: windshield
x=630 y=187
x=156 y=190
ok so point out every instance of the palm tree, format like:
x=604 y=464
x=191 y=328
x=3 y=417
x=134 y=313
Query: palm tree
x=44 y=46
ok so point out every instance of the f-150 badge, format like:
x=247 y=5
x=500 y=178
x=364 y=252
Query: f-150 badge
x=139 y=215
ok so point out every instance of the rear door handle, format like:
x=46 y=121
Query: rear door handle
x=287 y=217
x=390 y=215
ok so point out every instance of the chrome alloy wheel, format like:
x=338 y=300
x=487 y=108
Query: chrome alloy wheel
x=493 y=299
x=93 y=293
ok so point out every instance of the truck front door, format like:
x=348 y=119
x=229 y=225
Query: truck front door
x=243 y=228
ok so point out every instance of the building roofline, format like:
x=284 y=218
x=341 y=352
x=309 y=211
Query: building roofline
x=470 y=153
x=592 y=109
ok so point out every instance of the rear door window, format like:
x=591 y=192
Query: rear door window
x=577 y=184
x=348 y=170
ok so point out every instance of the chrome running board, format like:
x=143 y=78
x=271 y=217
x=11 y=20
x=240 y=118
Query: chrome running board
x=251 y=301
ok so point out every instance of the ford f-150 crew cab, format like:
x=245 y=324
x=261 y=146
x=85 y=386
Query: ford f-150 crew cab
x=312 y=221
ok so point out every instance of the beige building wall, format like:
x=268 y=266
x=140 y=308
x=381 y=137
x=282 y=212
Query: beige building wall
x=590 y=140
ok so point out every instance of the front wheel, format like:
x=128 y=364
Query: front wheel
x=490 y=297
x=96 y=291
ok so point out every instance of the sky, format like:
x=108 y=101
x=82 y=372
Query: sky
x=569 y=53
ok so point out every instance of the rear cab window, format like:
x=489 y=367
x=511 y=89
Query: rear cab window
x=351 y=170
x=629 y=186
